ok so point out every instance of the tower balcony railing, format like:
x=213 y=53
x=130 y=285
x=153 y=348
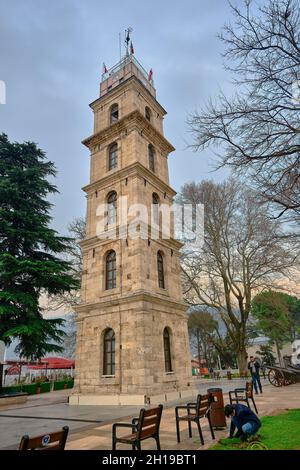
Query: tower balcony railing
x=124 y=69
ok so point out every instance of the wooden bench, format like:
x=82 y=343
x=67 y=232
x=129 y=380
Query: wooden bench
x=195 y=411
x=52 y=441
x=144 y=427
x=243 y=395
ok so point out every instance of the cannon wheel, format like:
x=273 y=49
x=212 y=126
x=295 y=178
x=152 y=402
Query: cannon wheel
x=276 y=378
x=290 y=379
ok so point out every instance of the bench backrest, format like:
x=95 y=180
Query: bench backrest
x=149 y=422
x=203 y=404
x=52 y=441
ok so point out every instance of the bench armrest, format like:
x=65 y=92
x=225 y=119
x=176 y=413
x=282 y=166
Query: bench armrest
x=123 y=425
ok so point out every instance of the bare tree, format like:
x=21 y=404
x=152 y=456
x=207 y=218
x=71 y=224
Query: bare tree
x=243 y=252
x=76 y=230
x=207 y=340
x=67 y=301
x=258 y=130
x=202 y=328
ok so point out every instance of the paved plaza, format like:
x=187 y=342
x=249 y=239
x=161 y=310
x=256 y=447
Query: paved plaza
x=90 y=426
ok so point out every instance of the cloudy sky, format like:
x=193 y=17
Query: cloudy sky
x=51 y=59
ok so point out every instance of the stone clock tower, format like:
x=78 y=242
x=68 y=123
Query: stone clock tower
x=132 y=338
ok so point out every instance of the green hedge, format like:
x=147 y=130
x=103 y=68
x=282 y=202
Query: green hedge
x=29 y=388
x=12 y=389
x=59 y=385
x=45 y=387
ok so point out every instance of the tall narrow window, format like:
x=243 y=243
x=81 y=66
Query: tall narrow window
x=148 y=113
x=160 y=270
x=167 y=351
x=112 y=208
x=114 y=113
x=151 y=157
x=113 y=156
x=111 y=271
x=155 y=208
x=109 y=348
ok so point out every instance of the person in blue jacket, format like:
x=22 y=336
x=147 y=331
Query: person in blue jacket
x=243 y=419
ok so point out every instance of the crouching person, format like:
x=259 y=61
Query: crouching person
x=243 y=419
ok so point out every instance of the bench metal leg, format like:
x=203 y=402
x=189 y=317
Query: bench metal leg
x=190 y=429
x=138 y=445
x=210 y=426
x=200 y=431
x=254 y=405
x=177 y=430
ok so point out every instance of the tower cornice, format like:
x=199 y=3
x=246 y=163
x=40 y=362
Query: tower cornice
x=95 y=241
x=142 y=296
x=132 y=121
x=116 y=90
x=135 y=169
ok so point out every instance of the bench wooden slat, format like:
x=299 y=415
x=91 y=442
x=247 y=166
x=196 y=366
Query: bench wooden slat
x=56 y=441
x=150 y=421
x=148 y=432
x=152 y=412
x=147 y=426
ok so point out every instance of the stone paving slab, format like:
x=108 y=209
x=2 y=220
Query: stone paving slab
x=271 y=401
x=90 y=426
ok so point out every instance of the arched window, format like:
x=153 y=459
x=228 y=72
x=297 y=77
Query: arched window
x=111 y=270
x=114 y=113
x=113 y=156
x=148 y=113
x=112 y=208
x=109 y=348
x=151 y=158
x=160 y=270
x=167 y=351
x=155 y=208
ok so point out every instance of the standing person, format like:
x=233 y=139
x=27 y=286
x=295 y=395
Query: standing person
x=242 y=418
x=254 y=366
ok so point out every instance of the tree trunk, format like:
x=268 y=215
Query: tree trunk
x=199 y=347
x=278 y=353
x=242 y=361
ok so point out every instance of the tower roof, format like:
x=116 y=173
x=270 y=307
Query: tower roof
x=127 y=67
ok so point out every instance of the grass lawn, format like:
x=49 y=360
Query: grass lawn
x=279 y=432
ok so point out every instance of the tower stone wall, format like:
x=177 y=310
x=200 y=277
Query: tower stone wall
x=137 y=309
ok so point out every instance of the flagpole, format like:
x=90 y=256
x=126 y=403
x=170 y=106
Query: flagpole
x=120 y=47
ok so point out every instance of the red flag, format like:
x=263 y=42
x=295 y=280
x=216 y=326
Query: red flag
x=104 y=69
x=131 y=48
x=150 y=75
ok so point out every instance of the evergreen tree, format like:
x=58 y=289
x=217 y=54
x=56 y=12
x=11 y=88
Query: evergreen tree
x=266 y=354
x=30 y=251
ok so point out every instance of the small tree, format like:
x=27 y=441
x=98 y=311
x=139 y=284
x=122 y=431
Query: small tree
x=30 y=251
x=271 y=310
x=266 y=354
x=202 y=328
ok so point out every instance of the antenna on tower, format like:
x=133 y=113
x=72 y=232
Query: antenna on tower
x=128 y=31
